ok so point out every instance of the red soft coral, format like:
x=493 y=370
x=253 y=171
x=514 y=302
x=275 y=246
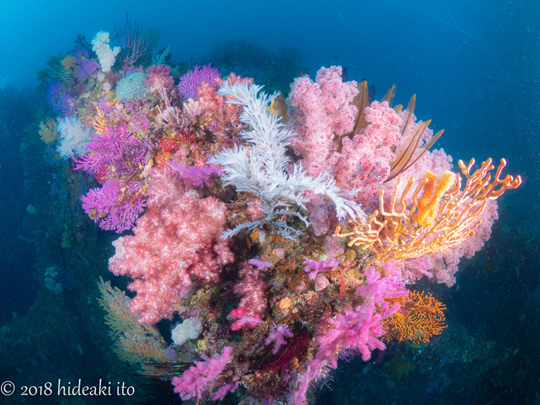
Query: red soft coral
x=225 y=116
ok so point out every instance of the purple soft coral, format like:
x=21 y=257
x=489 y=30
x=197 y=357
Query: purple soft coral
x=115 y=207
x=260 y=264
x=194 y=175
x=196 y=380
x=190 y=82
x=278 y=337
x=314 y=267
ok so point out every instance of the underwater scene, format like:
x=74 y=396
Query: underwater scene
x=284 y=202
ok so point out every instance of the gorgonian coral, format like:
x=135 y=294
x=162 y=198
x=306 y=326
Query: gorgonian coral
x=190 y=82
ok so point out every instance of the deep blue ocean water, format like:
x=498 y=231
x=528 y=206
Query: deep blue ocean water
x=475 y=68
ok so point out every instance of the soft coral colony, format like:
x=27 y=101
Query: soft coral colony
x=277 y=235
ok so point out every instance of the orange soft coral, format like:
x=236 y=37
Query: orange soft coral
x=428 y=204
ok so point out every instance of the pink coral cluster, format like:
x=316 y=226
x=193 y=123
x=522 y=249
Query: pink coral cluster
x=253 y=303
x=364 y=161
x=225 y=116
x=301 y=303
x=188 y=230
x=319 y=112
x=199 y=378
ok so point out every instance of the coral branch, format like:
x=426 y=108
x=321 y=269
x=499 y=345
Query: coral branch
x=434 y=222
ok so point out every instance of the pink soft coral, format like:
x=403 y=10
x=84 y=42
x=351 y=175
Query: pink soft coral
x=364 y=161
x=253 y=302
x=225 y=116
x=319 y=111
x=175 y=243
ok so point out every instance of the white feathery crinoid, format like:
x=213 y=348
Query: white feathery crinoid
x=262 y=168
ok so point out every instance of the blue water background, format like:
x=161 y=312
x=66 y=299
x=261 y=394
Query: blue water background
x=474 y=65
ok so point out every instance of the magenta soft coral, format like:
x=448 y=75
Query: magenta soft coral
x=353 y=330
x=357 y=329
x=278 y=336
x=198 y=379
x=376 y=287
x=176 y=243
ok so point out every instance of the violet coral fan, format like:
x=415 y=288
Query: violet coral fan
x=111 y=206
x=113 y=157
x=190 y=82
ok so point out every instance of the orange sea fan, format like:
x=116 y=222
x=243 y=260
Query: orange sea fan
x=419 y=318
x=47 y=131
x=442 y=217
x=99 y=123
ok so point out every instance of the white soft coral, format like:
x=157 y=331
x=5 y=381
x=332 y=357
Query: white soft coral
x=265 y=170
x=73 y=137
x=105 y=54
